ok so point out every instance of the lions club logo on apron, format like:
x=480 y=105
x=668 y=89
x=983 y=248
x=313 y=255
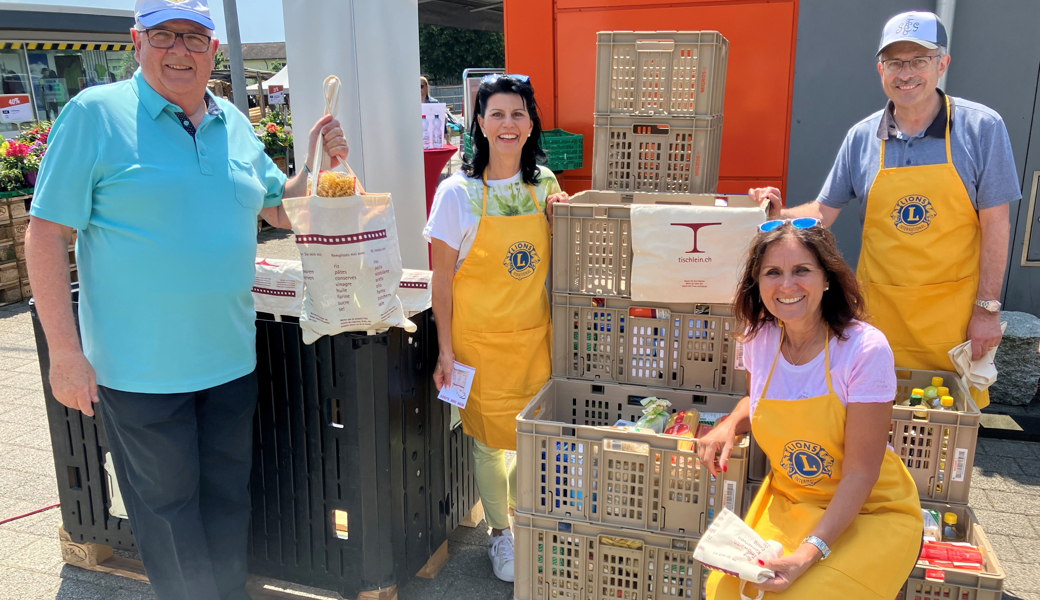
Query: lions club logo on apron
x=521 y=259
x=913 y=214
x=806 y=463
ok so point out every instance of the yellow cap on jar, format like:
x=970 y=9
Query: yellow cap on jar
x=937 y=381
x=946 y=401
x=950 y=518
x=943 y=390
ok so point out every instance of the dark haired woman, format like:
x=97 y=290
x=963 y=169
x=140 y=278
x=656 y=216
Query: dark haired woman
x=821 y=386
x=490 y=233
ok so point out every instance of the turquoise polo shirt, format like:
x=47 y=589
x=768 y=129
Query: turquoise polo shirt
x=167 y=234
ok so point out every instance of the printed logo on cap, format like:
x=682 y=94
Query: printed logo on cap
x=908 y=27
x=913 y=214
x=521 y=259
x=806 y=463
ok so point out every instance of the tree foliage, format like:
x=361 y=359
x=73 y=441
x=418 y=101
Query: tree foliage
x=444 y=52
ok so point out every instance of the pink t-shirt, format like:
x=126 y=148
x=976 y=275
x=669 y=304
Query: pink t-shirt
x=862 y=367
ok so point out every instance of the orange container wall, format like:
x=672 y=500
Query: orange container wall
x=759 y=73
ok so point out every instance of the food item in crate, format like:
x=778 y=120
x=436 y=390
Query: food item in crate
x=683 y=424
x=655 y=414
x=709 y=421
x=932 y=532
x=930 y=394
x=951 y=533
x=617 y=542
x=945 y=555
x=946 y=403
x=336 y=184
x=917 y=403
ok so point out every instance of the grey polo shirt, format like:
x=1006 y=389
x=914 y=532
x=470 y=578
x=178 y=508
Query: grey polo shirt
x=978 y=142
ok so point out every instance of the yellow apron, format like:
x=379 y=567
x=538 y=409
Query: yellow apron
x=919 y=265
x=805 y=442
x=500 y=321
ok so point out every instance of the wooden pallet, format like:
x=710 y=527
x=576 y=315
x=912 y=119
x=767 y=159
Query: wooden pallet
x=100 y=558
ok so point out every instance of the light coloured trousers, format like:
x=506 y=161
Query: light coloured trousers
x=496 y=484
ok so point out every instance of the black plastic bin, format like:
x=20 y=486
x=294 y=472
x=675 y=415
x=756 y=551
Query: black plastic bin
x=350 y=423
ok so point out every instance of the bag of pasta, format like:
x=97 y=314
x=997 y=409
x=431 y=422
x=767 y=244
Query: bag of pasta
x=350 y=253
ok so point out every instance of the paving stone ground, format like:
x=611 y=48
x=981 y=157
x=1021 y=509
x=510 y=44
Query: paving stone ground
x=1005 y=496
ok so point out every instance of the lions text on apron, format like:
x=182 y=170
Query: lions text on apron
x=500 y=321
x=919 y=265
x=805 y=442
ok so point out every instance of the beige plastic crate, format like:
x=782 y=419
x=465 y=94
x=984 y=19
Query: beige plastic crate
x=655 y=73
x=939 y=450
x=592 y=237
x=656 y=154
x=26 y=289
x=5 y=212
x=695 y=348
x=955 y=584
x=17 y=206
x=7 y=251
x=581 y=561
x=571 y=464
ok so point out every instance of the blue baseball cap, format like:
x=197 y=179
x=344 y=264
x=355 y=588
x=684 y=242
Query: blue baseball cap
x=153 y=12
x=922 y=28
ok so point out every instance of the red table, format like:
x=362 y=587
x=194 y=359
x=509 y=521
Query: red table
x=433 y=162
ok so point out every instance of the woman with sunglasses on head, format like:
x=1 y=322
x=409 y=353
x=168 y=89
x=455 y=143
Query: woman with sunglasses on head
x=821 y=384
x=490 y=235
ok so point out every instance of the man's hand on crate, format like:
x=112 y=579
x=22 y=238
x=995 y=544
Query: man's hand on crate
x=771 y=194
x=73 y=381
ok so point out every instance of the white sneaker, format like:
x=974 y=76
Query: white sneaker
x=501 y=552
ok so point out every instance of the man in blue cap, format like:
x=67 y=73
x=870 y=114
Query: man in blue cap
x=934 y=176
x=164 y=182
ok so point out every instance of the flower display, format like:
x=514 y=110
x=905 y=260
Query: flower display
x=275 y=131
x=20 y=158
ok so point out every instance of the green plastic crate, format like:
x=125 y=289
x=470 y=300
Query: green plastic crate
x=563 y=150
x=16 y=193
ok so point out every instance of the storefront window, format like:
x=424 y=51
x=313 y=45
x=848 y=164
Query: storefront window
x=15 y=85
x=121 y=65
x=58 y=75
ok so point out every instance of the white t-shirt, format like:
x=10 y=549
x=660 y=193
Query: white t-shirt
x=457 y=204
x=862 y=367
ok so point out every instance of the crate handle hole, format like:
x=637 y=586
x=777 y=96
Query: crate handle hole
x=700 y=399
x=598 y=389
x=340 y=524
x=336 y=410
x=75 y=482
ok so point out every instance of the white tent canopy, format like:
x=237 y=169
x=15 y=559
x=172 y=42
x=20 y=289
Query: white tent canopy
x=280 y=78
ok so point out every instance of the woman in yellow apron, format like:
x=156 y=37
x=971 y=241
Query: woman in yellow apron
x=490 y=234
x=821 y=387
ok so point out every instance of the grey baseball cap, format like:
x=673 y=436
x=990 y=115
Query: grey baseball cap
x=152 y=12
x=923 y=28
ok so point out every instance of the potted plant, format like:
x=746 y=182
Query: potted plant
x=275 y=132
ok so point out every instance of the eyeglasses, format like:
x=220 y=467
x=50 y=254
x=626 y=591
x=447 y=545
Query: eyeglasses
x=918 y=64
x=496 y=76
x=164 y=39
x=799 y=223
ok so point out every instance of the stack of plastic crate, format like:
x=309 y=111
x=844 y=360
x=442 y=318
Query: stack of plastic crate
x=603 y=511
x=938 y=449
x=658 y=110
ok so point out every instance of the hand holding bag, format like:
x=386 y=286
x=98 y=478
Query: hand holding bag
x=732 y=547
x=350 y=253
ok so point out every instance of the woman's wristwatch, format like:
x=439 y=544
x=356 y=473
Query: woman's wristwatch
x=821 y=545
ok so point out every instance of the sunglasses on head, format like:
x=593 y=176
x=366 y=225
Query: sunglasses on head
x=799 y=223
x=496 y=76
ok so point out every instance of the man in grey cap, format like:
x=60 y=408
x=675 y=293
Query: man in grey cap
x=934 y=176
x=164 y=183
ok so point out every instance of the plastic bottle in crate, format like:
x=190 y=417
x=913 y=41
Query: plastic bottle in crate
x=931 y=393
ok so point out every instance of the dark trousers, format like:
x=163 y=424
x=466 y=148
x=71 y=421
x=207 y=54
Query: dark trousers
x=182 y=462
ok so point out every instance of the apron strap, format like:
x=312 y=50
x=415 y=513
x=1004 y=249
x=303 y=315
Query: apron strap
x=949 y=155
x=826 y=362
x=483 y=202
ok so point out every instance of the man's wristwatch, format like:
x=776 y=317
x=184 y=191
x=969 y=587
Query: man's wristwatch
x=821 y=545
x=992 y=306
